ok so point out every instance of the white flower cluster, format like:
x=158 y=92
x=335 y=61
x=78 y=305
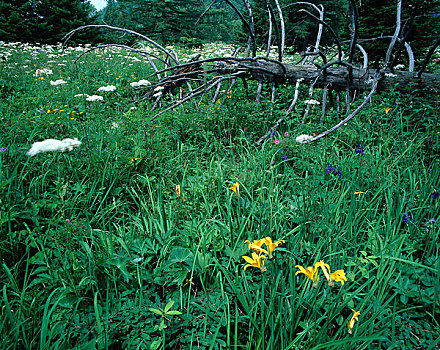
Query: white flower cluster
x=312 y=102
x=94 y=98
x=51 y=145
x=304 y=138
x=140 y=83
x=58 y=82
x=107 y=88
x=158 y=90
x=40 y=72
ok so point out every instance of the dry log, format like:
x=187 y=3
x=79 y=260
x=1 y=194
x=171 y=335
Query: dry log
x=333 y=77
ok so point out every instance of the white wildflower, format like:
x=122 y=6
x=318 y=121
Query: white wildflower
x=312 y=102
x=114 y=125
x=107 y=88
x=42 y=71
x=95 y=98
x=304 y=138
x=390 y=75
x=58 y=82
x=141 y=82
x=158 y=88
x=51 y=145
x=80 y=95
x=157 y=94
x=400 y=66
x=132 y=108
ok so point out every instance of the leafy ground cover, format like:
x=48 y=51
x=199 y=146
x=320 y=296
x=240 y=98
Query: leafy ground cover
x=136 y=238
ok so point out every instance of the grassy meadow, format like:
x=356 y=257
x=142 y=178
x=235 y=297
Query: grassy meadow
x=135 y=239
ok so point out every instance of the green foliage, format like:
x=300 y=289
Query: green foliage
x=99 y=249
x=420 y=25
x=171 y=21
x=45 y=21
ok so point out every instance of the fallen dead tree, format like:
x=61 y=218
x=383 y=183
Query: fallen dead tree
x=199 y=78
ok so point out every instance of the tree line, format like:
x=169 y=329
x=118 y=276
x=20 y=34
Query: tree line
x=187 y=22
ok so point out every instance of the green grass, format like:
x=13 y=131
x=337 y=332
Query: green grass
x=94 y=239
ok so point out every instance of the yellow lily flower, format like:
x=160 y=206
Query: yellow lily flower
x=256 y=245
x=188 y=281
x=350 y=324
x=311 y=272
x=339 y=276
x=358 y=193
x=271 y=245
x=177 y=189
x=257 y=242
x=326 y=270
x=258 y=249
x=387 y=109
x=236 y=188
x=257 y=260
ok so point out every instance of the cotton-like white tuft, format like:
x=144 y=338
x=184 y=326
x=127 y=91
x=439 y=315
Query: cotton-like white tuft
x=304 y=138
x=51 y=145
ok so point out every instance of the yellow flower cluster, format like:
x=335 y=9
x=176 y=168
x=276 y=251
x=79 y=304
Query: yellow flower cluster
x=312 y=273
x=235 y=188
x=350 y=324
x=259 y=260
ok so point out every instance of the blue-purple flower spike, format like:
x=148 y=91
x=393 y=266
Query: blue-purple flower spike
x=359 y=149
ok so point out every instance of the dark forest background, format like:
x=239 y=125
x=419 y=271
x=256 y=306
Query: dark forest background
x=177 y=21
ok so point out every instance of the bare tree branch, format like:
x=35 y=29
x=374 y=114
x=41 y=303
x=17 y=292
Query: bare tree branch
x=354 y=113
x=332 y=32
x=428 y=57
x=67 y=37
x=204 y=12
x=396 y=33
x=283 y=30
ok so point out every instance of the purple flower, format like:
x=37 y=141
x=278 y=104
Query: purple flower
x=431 y=221
x=337 y=173
x=333 y=171
x=435 y=194
x=3 y=149
x=406 y=218
x=272 y=133
x=330 y=168
x=359 y=149
x=286 y=158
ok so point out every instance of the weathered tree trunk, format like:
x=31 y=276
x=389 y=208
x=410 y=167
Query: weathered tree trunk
x=333 y=77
